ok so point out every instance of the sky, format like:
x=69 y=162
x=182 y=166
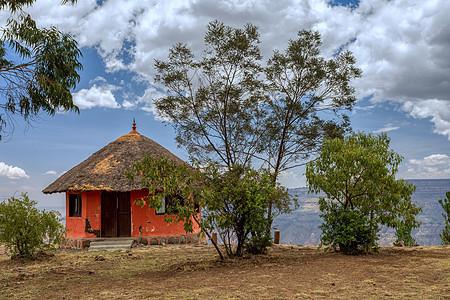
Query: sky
x=401 y=47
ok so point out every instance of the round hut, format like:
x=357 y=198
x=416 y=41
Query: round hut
x=101 y=201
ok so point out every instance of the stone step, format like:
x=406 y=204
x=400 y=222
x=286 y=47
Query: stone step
x=111 y=245
x=113 y=241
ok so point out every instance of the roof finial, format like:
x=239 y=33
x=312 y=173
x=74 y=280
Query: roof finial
x=134 y=127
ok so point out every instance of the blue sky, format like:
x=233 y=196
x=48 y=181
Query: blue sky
x=401 y=46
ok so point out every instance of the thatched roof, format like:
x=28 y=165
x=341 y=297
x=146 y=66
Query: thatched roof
x=105 y=169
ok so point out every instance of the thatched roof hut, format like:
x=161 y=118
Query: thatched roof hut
x=105 y=169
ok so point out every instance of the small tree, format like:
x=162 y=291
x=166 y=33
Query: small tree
x=233 y=201
x=358 y=173
x=445 y=236
x=236 y=205
x=25 y=230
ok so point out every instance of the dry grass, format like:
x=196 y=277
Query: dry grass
x=188 y=272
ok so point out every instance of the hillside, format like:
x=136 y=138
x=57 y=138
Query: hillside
x=301 y=227
x=193 y=272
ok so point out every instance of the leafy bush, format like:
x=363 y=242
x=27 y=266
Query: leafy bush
x=403 y=233
x=445 y=236
x=348 y=230
x=359 y=173
x=26 y=230
x=233 y=201
x=236 y=204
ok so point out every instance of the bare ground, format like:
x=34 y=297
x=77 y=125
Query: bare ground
x=194 y=272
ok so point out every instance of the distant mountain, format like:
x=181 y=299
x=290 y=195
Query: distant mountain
x=301 y=227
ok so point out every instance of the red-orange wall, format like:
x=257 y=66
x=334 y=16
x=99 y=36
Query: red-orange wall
x=150 y=223
x=90 y=209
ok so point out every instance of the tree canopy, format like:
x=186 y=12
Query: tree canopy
x=358 y=173
x=227 y=107
x=38 y=67
x=214 y=103
x=302 y=85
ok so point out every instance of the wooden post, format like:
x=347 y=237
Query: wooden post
x=214 y=237
x=276 y=238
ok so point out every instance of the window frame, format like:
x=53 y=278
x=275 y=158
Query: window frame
x=75 y=205
x=163 y=209
x=165 y=203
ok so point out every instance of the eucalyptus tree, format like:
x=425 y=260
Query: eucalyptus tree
x=38 y=67
x=214 y=103
x=227 y=108
x=308 y=97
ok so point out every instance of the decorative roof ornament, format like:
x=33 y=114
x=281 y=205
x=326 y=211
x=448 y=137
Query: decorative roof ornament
x=134 y=127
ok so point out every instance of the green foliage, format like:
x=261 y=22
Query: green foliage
x=303 y=84
x=403 y=233
x=236 y=202
x=445 y=236
x=348 y=230
x=25 y=230
x=46 y=71
x=233 y=201
x=228 y=108
x=164 y=178
x=358 y=173
x=214 y=102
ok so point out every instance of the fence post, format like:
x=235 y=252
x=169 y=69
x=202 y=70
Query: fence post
x=276 y=238
x=214 y=237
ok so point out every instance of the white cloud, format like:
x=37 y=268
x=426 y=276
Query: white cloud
x=129 y=104
x=387 y=128
x=364 y=108
x=292 y=179
x=401 y=46
x=147 y=99
x=51 y=172
x=98 y=79
x=12 y=172
x=437 y=110
x=96 y=96
x=434 y=166
x=146 y=102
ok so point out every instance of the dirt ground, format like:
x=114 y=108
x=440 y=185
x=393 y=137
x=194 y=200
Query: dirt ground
x=194 y=272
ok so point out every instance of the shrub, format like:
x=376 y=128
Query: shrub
x=403 y=232
x=358 y=173
x=445 y=236
x=348 y=230
x=26 y=230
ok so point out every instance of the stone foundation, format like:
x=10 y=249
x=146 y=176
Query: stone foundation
x=84 y=243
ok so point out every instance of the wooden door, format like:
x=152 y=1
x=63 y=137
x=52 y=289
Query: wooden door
x=109 y=214
x=116 y=214
x=124 y=215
